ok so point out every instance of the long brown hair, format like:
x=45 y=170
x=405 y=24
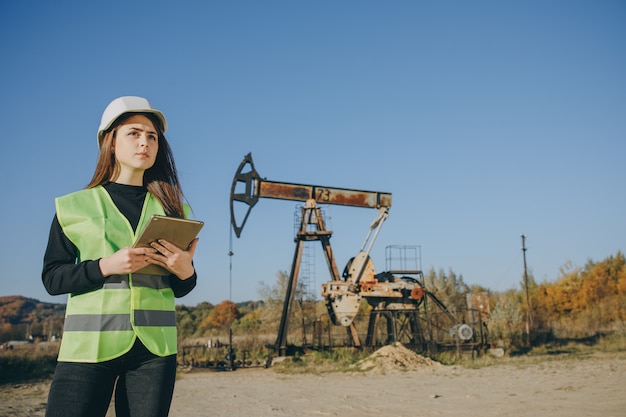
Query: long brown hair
x=161 y=180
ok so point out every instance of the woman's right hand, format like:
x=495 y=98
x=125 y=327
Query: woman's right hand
x=125 y=261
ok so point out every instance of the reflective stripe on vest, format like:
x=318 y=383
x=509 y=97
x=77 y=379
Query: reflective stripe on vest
x=103 y=324
x=118 y=322
x=97 y=323
x=157 y=282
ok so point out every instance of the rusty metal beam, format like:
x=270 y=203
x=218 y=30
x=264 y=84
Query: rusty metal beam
x=323 y=195
x=248 y=186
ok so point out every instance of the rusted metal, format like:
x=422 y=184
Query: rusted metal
x=402 y=307
x=323 y=195
x=248 y=186
x=320 y=234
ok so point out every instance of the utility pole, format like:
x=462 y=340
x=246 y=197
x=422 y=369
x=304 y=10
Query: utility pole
x=528 y=319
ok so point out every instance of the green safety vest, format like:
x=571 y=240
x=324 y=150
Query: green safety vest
x=103 y=324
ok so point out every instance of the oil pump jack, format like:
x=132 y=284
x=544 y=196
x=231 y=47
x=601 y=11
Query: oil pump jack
x=385 y=292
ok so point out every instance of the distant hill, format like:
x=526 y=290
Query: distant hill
x=23 y=318
x=15 y=309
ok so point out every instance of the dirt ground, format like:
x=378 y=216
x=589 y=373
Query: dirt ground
x=391 y=382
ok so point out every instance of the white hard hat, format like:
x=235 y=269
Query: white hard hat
x=126 y=104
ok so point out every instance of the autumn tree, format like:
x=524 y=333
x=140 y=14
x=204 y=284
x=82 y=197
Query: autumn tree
x=221 y=317
x=585 y=300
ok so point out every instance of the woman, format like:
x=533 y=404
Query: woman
x=120 y=327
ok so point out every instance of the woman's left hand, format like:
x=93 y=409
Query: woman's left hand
x=177 y=261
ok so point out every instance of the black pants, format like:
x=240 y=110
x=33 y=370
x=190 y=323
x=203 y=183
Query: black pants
x=143 y=382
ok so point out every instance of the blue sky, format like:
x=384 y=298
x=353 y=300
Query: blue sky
x=484 y=119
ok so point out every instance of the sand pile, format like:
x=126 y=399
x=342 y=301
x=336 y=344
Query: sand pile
x=395 y=357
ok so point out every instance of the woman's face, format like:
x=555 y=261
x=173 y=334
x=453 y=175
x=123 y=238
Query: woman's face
x=136 y=146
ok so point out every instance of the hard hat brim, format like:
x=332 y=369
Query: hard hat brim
x=124 y=105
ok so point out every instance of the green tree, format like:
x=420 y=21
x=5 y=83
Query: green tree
x=185 y=321
x=506 y=318
x=449 y=288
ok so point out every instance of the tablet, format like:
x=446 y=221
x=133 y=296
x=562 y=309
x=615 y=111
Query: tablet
x=179 y=232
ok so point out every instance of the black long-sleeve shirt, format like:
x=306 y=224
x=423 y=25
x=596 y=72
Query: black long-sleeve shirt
x=62 y=275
